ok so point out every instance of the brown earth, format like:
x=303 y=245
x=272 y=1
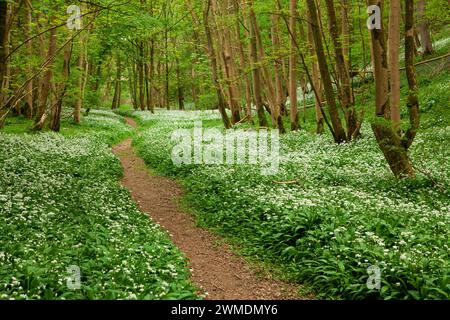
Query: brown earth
x=215 y=269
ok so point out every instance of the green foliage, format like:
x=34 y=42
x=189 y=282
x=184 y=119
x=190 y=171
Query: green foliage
x=207 y=101
x=61 y=205
x=438 y=13
x=344 y=214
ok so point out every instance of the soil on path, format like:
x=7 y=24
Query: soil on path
x=214 y=267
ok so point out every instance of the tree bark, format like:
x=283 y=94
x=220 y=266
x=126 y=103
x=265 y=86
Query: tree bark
x=4 y=44
x=55 y=119
x=343 y=73
x=151 y=73
x=278 y=75
x=229 y=65
x=412 y=101
x=214 y=68
x=243 y=63
x=257 y=94
x=140 y=65
x=29 y=69
x=345 y=13
x=117 y=86
x=388 y=139
x=425 y=37
x=41 y=114
x=339 y=132
x=317 y=84
x=394 y=65
x=180 y=88
x=80 y=81
x=293 y=65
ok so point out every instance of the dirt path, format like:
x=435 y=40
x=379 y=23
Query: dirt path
x=214 y=267
x=131 y=122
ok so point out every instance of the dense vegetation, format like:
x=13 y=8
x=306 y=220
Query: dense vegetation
x=343 y=214
x=357 y=90
x=61 y=205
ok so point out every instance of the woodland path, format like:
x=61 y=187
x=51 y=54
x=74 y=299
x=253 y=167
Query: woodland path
x=215 y=269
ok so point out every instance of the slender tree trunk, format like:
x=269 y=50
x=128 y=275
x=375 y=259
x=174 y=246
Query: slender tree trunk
x=412 y=101
x=257 y=94
x=317 y=84
x=166 y=64
x=180 y=88
x=29 y=69
x=194 y=92
x=135 y=85
x=425 y=37
x=345 y=12
x=4 y=44
x=278 y=75
x=117 y=86
x=55 y=119
x=3 y=39
x=214 y=68
x=266 y=77
x=394 y=65
x=293 y=65
x=389 y=139
x=41 y=114
x=148 y=89
x=229 y=64
x=343 y=74
x=80 y=81
x=339 y=132
x=243 y=62
x=141 y=66
x=151 y=71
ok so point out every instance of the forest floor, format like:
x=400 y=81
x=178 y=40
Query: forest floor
x=215 y=269
x=246 y=235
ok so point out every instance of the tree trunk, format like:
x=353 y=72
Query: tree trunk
x=266 y=77
x=151 y=73
x=293 y=65
x=135 y=85
x=425 y=37
x=394 y=65
x=141 y=76
x=55 y=119
x=343 y=73
x=3 y=38
x=118 y=86
x=388 y=138
x=317 y=84
x=194 y=92
x=41 y=114
x=229 y=64
x=214 y=68
x=243 y=63
x=29 y=69
x=166 y=64
x=256 y=69
x=412 y=101
x=345 y=11
x=80 y=81
x=339 y=132
x=278 y=75
x=180 y=88
x=4 y=44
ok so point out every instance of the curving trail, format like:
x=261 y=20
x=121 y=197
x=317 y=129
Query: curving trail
x=214 y=267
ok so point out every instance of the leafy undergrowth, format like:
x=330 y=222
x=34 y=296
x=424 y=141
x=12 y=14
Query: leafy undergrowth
x=61 y=205
x=343 y=214
x=109 y=125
